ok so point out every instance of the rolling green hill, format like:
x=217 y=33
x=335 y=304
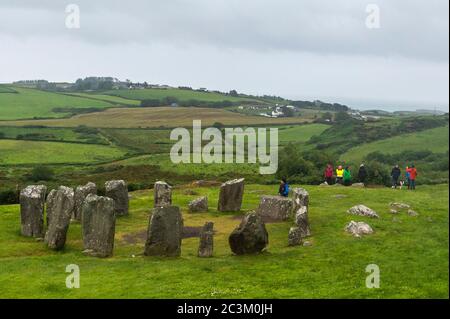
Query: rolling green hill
x=434 y=140
x=31 y=103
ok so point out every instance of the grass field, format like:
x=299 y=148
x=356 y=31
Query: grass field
x=181 y=95
x=300 y=133
x=411 y=252
x=117 y=100
x=14 y=152
x=435 y=140
x=31 y=103
x=159 y=117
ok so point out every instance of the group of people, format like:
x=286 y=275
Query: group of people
x=342 y=175
x=410 y=176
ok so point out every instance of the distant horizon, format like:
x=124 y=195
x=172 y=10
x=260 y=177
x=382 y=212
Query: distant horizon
x=356 y=103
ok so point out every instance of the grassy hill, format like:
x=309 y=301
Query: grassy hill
x=31 y=103
x=32 y=152
x=411 y=252
x=434 y=140
x=180 y=94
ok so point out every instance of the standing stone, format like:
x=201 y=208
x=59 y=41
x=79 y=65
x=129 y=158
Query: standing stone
x=295 y=236
x=206 y=246
x=98 y=224
x=162 y=194
x=60 y=205
x=250 y=236
x=80 y=195
x=199 y=205
x=117 y=190
x=164 y=232
x=301 y=207
x=32 y=200
x=275 y=207
x=230 y=197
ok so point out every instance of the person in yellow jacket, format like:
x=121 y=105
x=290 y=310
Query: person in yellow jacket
x=339 y=174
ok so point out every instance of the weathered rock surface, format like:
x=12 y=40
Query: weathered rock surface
x=358 y=229
x=393 y=211
x=162 y=194
x=80 y=195
x=230 y=197
x=49 y=204
x=275 y=207
x=301 y=207
x=117 y=190
x=60 y=206
x=199 y=205
x=295 y=236
x=98 y=225
x=301 y=220
x=164 y=232
x=32 y=201
x=358 y=185
x=206 y=245
x=250 y=236
x=362 y=210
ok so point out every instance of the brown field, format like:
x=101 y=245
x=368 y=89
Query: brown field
x=157 y=117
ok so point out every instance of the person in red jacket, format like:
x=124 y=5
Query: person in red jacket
x=412 y=176
x=328 y=174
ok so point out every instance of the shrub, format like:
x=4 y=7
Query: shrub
x=41 y=173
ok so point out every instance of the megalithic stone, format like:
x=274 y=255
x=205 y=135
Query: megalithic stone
x=32 y=201
x=98 y=226
x=206 y=245
x=301 y=208
x=230 y=197
x=60 y=205
x=162 y=194
x=80 y=195
x=165 y=232
x=275 y=207
x=118 y=191
x=250 y=236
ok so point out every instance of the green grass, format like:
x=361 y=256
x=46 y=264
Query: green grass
x=181 y=95
x=411 y=252
x=117 y=100
x=14 y=152
x=300 y=133
x=435 y=140
x=6 y=89
x=30 y=103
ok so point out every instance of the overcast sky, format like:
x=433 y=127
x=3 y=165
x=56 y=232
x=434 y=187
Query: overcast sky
x=297 y=49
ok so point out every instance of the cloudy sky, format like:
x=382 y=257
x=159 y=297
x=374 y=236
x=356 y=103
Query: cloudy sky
x=297 y=49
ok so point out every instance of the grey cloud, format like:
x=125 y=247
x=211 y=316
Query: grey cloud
x=324 y=27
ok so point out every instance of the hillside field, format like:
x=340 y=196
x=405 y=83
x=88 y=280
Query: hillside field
x=31 y=103
x=411 y=252
x=168 y=117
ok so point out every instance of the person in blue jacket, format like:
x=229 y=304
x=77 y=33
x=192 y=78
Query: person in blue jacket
x=283 y=190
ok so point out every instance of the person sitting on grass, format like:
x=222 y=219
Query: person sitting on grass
x=347 y=176
x=329 y=174
x=339 y=174
x=283 y=190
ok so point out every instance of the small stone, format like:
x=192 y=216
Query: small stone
x=307 y=243
x=199 y=205
x=362 y=210
x=397 y=205
x=412 y=213
x=393 y=211
x=358 y=185
x=358 y=229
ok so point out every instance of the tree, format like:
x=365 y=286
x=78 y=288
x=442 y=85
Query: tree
x=233 y=93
